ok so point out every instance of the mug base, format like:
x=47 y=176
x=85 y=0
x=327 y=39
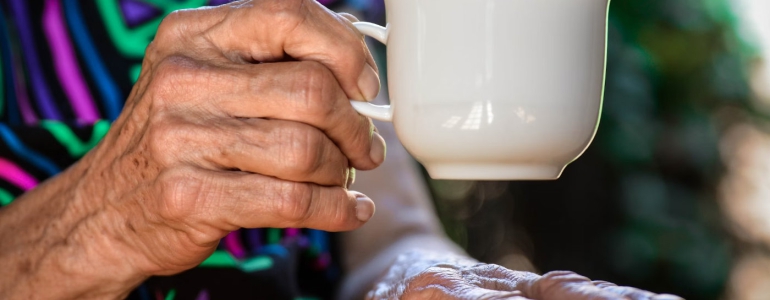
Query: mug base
x=469 y=171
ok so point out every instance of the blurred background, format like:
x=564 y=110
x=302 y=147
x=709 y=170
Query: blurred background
x=674 y=194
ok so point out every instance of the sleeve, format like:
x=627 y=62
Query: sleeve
x=30 y=154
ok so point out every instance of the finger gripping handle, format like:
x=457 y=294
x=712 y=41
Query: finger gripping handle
x=377 y=112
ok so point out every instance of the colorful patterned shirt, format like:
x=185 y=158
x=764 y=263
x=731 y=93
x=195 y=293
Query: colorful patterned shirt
x=66 y=67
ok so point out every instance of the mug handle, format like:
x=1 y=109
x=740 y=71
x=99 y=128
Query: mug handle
x=377 y=112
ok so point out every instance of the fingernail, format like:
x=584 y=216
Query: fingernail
x=364 y=208
x=369 y=83
x=378 y=150
x=351 y=177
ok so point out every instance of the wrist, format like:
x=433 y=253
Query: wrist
x=54 y=245
x=71 y=272
x=96 y=264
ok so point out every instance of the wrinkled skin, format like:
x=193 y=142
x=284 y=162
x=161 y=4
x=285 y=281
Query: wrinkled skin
x=240 y=119
x=426 y=275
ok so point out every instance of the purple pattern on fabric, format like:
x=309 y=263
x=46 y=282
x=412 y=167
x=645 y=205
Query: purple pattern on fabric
x=66 y=63
x=255 y=239
x=27 y=113
x=234 y=246
x=326 y=2
x=290 y=232
x=219 y=2
x=137 y=12
x=39 y=86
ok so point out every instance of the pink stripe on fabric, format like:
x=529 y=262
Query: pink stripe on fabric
x=16 y=176
x=292 y=232
x=233 y=244
x=64 y=59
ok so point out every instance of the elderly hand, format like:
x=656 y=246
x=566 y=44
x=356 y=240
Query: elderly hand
x=240 y=118
x=423 y=275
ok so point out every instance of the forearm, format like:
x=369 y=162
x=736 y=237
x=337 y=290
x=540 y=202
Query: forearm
x=43 y=253
x=405 y=220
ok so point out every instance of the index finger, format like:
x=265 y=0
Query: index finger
x=269 y=30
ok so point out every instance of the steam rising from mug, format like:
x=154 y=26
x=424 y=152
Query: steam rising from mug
x=493 y=89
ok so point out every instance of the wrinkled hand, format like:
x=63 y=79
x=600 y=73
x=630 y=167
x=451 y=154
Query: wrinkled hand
x=240 y=118
x=422 y=275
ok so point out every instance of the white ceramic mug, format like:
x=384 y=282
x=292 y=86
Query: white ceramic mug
x=493 y=89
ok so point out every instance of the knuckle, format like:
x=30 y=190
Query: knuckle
x=167 y=139
x=287 y=14
x=176 y=32
x=430 y=275
x=174 y=75
x=302 y=148
x=156 y=137
x=166 y=72
x=563 y=276
x=498 y=270
x=171 y=25
x=179 y=189
x=316 y=89
x=552 y=281
x=294 y=201
x=428 y=284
